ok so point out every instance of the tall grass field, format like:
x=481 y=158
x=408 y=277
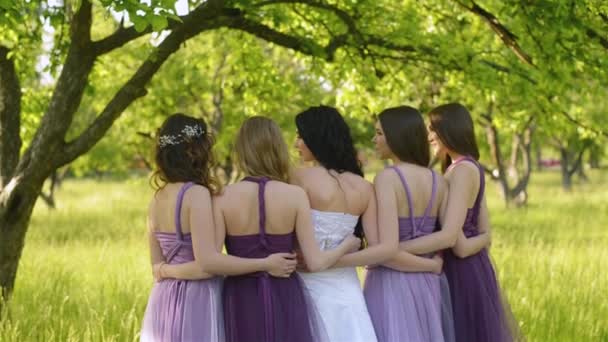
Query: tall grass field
x=85 y=273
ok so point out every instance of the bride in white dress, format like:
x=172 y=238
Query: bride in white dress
x=343 y=203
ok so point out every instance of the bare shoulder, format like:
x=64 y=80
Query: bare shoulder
x=442 y=182
x=309 y=172
x=286 y=188
x=197 y=195
x=385 y=176
x=359 y=183
x=463 y=172
x=302 y=175
x=228 y=192
x=288 y=193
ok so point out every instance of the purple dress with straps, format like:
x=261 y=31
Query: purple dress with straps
x=183 y=310
x=480 y=312
x=406 y=306
x=257 y=306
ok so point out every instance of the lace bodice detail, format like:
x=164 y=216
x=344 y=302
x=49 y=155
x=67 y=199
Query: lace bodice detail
x=331 y=228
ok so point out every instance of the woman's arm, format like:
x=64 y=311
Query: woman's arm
x=464 y=246
x=156 y=253
x=407 y=262
x=454 y=207
x=316 y=260
x=383 y=240
x=204 y=243
x=388 y=227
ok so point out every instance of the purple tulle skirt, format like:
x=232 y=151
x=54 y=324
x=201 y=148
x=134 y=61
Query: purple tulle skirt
x=480 y=312
x=404 y=306
x=259 y=307
x=184 y=310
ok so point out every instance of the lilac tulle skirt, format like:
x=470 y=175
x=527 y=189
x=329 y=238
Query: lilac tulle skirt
x=404 y=306
x=184 y=310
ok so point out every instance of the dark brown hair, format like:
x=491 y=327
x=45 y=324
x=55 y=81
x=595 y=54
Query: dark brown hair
x=261 y=150
x=453 y=125
x=183 y=156
x=406 y=134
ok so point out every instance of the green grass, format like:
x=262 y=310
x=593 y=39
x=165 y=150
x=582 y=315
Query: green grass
x=84 y=275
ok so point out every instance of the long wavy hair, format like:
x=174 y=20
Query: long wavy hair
x=453 y=125
x=183 y=153
x=260 y=149
x=328 y=138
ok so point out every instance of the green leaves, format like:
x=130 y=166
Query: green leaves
x=154 y=13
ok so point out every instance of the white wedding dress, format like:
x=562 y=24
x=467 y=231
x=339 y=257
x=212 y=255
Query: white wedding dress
x=336 y=292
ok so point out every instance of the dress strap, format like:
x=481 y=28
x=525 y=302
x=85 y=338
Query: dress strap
x=179 y=235
x=408 y=194
x=264 y=288
x=178 y=210
x=427 y=211
x=482 y=185
x=261 y=205
x=482 y=189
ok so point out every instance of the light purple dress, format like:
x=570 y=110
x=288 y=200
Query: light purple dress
x=183 y=310
x=407 y=306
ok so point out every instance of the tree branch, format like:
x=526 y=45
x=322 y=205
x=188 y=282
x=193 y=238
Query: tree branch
x=592 y=34
x=10 y=121
x=582 y=125
x=48 y=139
x=508 y=70
x=124 y=35
x=579 y=159
x=120 y=37
x=201 y=19
x=508 y=38
x=362 y=40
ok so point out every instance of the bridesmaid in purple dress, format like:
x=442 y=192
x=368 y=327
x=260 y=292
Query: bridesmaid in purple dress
x=262 y=215
x=480 y=312
x=184 y=304
x=403 y=295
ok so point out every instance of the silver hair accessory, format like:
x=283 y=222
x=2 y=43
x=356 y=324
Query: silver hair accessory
x=187 y=133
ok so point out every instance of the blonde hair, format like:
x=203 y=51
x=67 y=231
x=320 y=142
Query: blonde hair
x=261 y=150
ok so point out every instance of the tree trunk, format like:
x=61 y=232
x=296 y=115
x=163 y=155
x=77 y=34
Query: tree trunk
x=521 y=146
x=494 y=142
x=594 y=156
x=17 y=201
x=515 y=144
x=566 y=176
x=538 y=156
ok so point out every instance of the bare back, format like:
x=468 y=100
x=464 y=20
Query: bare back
x=239 y=206
x=330 y=191
x=161 y=215
x=420 y=183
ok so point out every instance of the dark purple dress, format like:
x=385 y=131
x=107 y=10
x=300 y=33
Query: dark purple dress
x=257 y=306
x=480 y=315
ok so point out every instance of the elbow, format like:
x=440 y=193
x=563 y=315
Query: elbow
x=459 y=252
x=449 y=239
x=316 y=267
x=204 y=267
x=391 y=250
x=209 y=264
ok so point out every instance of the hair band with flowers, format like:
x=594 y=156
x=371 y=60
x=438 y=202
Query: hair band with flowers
x=187 y=133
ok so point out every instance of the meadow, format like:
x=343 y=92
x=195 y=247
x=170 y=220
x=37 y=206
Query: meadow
x=85 y=275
